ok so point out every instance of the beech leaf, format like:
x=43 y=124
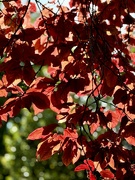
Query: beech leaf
x=32 y=7
x=91 y=176
x=70 y=153
x=45 y=151
x=107 y=174
x=81 y=167
x=70 y=133
x=40 y=133
x=90 y=164
x=131 y=140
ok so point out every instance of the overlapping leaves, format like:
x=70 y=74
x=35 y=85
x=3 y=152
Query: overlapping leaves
x=89 y=81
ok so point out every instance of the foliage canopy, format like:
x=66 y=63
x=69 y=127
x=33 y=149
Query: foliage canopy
x=78 y=61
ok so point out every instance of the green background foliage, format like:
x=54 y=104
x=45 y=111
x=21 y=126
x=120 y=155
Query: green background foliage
x=17 y=155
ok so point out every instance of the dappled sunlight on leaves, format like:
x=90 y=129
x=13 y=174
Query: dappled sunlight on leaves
x=67 y=80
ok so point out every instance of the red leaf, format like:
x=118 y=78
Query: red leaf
x=90 y=164
x=10 y=108
x=40 y=133
x=91 y=176
x=107 y=174
x=93 y=127
x=40 y=101
x=30 y=34
x=70 y=133
x=131 y=140
x=32 y=7
x=70 y=153
x=114 y=117
x=81 y=167
x=45 y=149
x=74 y=3
x=49 y=128
x=36 y=134
x=3 y=93
x=44 y=153
x=27 y=69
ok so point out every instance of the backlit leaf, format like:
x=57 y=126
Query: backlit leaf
x=42 y=132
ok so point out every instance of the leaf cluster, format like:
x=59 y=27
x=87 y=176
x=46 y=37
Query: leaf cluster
x=87 y=53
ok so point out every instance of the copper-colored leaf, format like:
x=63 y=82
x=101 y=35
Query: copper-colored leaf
x=36 y=134
x=114 y=117
x=70 y=133
x=45 y=150
x=130 y=140
x=70 y=154
x=107 y=174
x=81 y=167
x=40 y=133
x=32 y=7
x=88 y=165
